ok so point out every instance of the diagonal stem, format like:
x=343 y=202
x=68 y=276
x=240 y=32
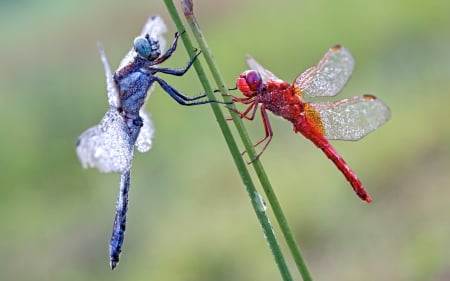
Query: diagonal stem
x=255 y=198
x=257 y=164
x=242 y=168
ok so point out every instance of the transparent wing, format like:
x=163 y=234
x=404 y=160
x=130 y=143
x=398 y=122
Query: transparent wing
x=106 y=146
x=348 y=119
x=113 y=92
x=145 y=138
x=265 y=74
x=328 y=77
x=155 y=27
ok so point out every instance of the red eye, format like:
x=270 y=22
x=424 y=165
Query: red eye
x=253 y=79
x=242 y=85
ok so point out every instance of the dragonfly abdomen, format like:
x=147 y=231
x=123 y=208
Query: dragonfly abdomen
x=118 y=232
x=315 y=136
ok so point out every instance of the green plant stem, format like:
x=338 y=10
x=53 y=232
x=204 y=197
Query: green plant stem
x=259 y=169
x=256 y=200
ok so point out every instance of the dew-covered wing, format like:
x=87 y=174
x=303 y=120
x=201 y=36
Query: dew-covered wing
x=106 y=146
x=155 y=27
x=265 y=74
x=329 y=75
x=145 y=137
x=348 y=119
x=111 y=87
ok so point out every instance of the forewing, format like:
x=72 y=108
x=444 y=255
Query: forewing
x=111 y=87
x=265 y=74
x=106 y=146
x=329 y=76
x=155 y=27
x=145 y=138
x=349 y=119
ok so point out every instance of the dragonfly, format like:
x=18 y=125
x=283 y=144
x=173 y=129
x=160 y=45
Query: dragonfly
x=109 y=146
x=349 y=119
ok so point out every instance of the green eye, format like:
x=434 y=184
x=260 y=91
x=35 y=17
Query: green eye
x=142 y=47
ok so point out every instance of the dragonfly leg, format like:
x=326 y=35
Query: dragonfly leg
x=180 y=97
x=267 y=127
x=230 y=89
x=174 y=71
x=227 y=95
x=170 y=51
x=268 y=131
x=243 y=100
x=118 y=232
x=244 y=114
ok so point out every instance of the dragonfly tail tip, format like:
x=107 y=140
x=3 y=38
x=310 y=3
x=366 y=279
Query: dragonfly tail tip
x=113 y=264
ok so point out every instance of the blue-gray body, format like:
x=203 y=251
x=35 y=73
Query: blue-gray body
x=109 y=146
x=133 y=82
x=133 y=85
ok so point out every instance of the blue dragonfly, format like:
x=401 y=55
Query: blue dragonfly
x=109 y=146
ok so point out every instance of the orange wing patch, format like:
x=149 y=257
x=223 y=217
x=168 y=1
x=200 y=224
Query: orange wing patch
x=313 y=117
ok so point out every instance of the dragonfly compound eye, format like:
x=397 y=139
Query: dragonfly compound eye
x=147 y=47
x=253 y=79
x=142 y=47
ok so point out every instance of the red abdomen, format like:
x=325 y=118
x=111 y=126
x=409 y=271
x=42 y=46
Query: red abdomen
x=311 y=132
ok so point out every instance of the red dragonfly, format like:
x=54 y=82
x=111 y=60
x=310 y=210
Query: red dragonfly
x=347 y=119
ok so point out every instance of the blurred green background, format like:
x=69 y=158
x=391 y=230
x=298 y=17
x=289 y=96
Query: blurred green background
x=189 y=216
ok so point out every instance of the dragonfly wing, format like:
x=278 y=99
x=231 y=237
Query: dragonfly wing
x=106 y=146
x=145 y=138
x=329 y=75
x=265 y=74
x=348 y=119
x=111 y=87
x=155 y=27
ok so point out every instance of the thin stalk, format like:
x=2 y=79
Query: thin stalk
x=255 y=198
x=257 y=164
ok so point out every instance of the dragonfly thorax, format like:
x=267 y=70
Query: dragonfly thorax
x=133 y=85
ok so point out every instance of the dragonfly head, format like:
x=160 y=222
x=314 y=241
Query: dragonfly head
x=249 y=83
x=147 y=47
